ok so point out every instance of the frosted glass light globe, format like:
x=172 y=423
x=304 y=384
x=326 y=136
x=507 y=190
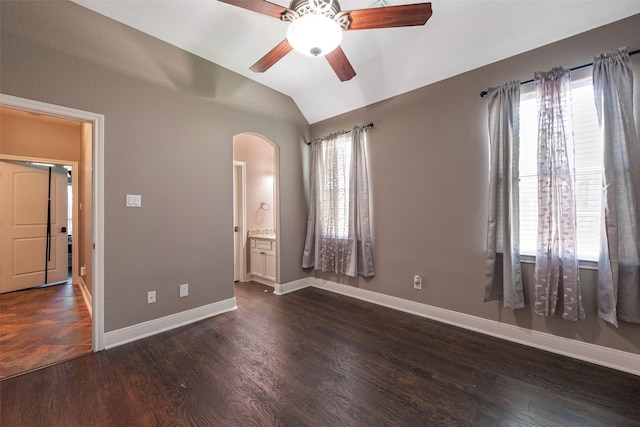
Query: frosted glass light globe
x=314 y=35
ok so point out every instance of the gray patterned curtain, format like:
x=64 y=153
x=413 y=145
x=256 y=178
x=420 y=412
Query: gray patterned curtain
x=338 y=228
x=557 y=285
x=619 y=262
x=504 y=130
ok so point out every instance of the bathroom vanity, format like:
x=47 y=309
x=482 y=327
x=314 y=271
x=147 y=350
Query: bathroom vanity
x=262 y=261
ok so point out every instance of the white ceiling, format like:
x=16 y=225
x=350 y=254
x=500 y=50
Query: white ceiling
x=460 y=36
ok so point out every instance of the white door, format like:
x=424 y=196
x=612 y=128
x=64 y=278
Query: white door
x=239 y=235
x=24 y=196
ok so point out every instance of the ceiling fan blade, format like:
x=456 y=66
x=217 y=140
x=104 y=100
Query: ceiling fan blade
x=273 y=56
x=407 y=15
x=260 y=6
x=340 y=64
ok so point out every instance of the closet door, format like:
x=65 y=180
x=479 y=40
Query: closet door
x=27 y=202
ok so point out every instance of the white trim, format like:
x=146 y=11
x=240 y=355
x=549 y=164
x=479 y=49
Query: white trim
x=97 y=121
x=296 y=285
x=611 y=358
x=166 y=323
x=243 y=216
x=86 y=295
x=276 y=207
x=97 y=293
x=583 y=264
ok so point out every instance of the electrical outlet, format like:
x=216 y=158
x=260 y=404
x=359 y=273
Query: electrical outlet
x=83 y=271
x=417 y=282
x=184 y=290
x=151 y=297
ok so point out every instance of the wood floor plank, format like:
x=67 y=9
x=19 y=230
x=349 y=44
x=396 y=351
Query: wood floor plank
x=314 y=358
x=42 y=326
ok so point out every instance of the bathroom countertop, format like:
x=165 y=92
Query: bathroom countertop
x=263 y=236
x=262 y=233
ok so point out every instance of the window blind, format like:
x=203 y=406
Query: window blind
x=588 y=169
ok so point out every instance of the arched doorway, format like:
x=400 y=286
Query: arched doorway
x=256 y=208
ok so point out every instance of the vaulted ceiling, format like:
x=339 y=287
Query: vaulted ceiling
x=460 y=36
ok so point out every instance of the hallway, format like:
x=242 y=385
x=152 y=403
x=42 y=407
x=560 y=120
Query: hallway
x=42 y=326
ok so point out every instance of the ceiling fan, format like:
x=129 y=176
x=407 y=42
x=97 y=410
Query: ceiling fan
x=317 y=25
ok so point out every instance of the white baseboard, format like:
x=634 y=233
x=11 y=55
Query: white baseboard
x=604 y=356
x=285 y=288
x=86 y=295
x=152 y=327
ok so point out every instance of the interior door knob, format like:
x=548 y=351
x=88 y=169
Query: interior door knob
x=63 y=229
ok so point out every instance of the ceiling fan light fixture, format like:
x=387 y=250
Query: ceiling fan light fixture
x=314 y=35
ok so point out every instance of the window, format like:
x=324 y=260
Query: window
x=337 y=155
x=339 y=234
x=588 y=169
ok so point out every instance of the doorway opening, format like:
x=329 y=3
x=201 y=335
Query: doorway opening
x=256 y=204
x=39 y=215
x=45 y=316
x=87 y=171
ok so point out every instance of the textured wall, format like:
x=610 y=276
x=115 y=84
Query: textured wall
x=24 y=134
x=170 y=118
x=429 y=172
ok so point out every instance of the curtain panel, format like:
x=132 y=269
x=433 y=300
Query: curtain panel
x=338 y=236
x=619 y=261
x=557 y=283
x=504 y=131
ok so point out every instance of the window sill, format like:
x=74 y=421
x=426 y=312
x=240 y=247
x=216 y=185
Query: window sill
x=585 y=264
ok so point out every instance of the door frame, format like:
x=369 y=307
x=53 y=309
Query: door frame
x=241 y=215
x=276 y=200
x=97 y=187
x=74 y=210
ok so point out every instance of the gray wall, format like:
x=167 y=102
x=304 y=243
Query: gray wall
x=170 y=118
x=429 y=173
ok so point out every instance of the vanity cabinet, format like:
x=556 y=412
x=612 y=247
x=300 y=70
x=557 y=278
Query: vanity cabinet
x=263 y=260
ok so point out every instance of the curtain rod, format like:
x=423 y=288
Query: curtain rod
x=579 y=67
x=321 y=138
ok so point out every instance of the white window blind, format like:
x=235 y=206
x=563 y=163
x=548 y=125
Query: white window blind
x=588 y=169
x=337 y=157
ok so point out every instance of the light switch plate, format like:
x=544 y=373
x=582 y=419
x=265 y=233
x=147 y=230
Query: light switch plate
x=184 y=290
x=134 y=201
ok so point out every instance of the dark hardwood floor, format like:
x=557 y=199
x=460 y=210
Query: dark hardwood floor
x=313 y=358
x=42 y=326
